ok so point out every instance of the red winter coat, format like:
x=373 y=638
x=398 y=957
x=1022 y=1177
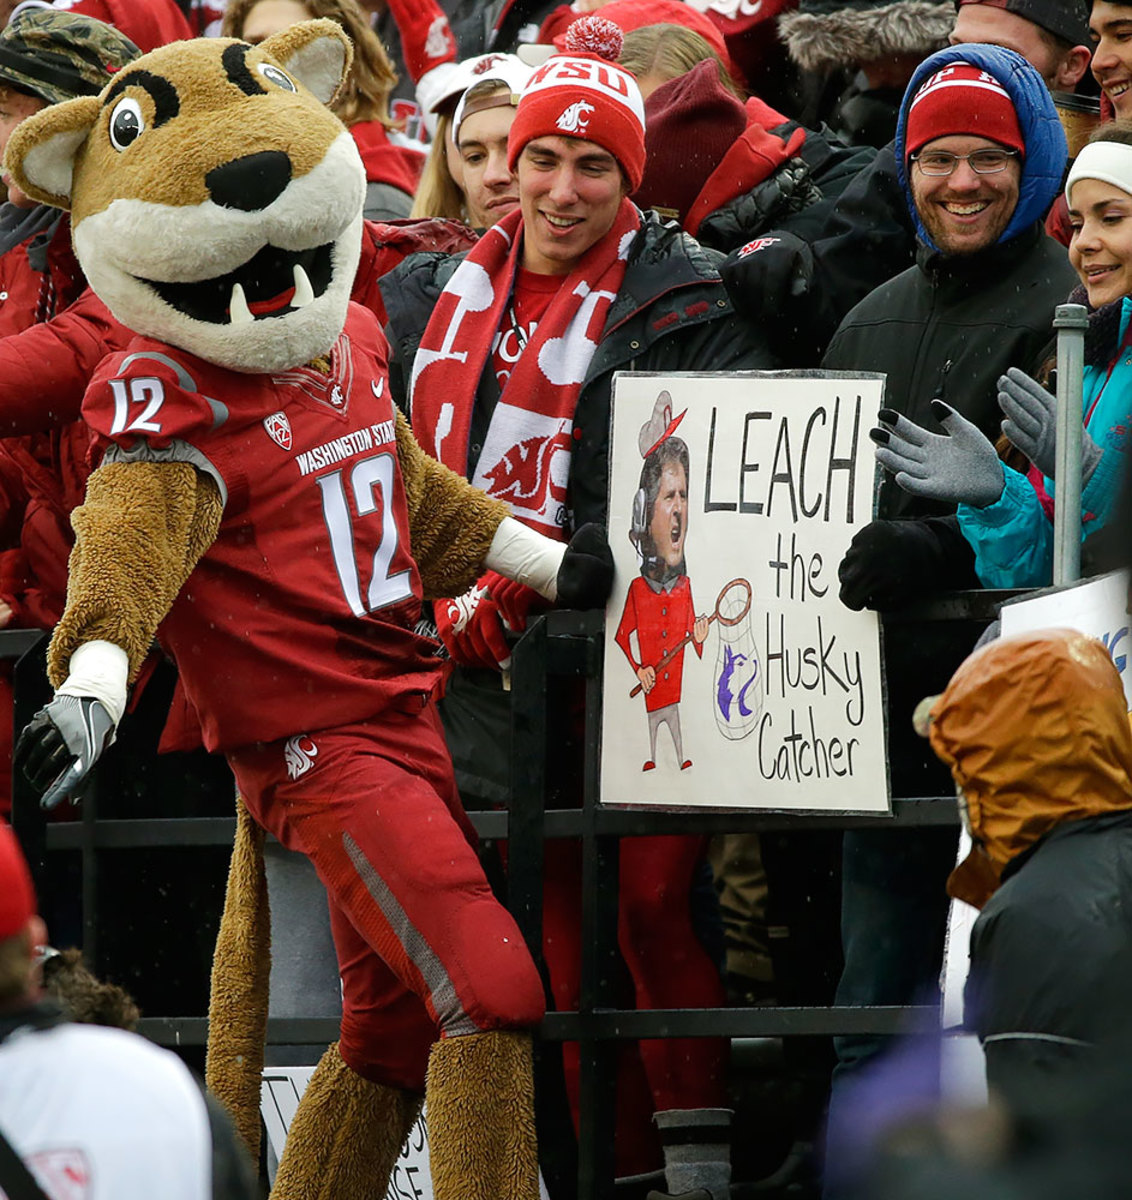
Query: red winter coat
x=28 y=296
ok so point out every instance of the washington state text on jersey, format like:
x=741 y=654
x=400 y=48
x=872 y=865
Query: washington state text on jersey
x=346 y=446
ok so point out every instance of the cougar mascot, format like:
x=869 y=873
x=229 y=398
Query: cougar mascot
x=262 y=510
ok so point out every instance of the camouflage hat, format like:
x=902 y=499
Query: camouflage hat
x=59 y=55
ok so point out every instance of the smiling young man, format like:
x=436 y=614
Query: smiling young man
x=480 y=128
x=581 y=284
x=1110 y=27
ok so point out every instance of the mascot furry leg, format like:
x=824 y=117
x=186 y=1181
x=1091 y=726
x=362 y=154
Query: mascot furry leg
x=348 y=1132
x=481 y=1118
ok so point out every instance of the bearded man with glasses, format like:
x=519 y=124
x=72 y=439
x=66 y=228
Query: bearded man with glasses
x=980 y=155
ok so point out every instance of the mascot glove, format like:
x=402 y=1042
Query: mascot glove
x=889 y=564
x=959 y=466
x=1030 y=423
x=514 y=600
x=471 y=628
x=64 y=740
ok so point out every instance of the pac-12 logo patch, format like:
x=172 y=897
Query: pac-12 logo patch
x=279 y=429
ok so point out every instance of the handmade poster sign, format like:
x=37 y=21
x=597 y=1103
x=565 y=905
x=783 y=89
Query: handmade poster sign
x=734 y=676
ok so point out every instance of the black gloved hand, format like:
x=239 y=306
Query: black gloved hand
x=585 y=577
x=888 y=565
x=766 y=277
x=61 y=743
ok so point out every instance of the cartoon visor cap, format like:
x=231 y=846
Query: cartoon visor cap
x=216 y=201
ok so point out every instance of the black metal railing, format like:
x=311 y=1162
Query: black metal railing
x=561 y=644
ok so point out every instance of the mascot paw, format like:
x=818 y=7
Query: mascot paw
x=61 y=743
x=585 y=577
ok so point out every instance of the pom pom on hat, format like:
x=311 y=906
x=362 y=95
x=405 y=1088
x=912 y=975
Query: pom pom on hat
x=584 y=94
x=595 y=35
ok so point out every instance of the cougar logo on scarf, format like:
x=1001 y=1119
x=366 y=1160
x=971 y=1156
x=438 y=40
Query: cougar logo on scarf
x=575 y=119
x=439 y=41
x=523 y=476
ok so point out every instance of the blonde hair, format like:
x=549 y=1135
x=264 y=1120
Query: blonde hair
x=438 y=194
x=671 y=51
x=365 y=93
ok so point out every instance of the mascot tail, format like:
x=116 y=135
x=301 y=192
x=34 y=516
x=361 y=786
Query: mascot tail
x=241 y=968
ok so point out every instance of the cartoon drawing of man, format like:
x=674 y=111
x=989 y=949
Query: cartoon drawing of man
x=659 y=607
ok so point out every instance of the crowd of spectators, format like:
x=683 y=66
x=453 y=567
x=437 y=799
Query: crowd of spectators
x=899 y=186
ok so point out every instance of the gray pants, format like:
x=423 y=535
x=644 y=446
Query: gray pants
x=668 y=715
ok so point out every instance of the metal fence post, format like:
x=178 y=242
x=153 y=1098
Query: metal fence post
x=1070 y=321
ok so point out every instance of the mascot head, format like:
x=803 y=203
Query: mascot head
x=216 y=203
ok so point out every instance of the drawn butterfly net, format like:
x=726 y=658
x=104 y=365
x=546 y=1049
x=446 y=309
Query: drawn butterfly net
x=737 y=682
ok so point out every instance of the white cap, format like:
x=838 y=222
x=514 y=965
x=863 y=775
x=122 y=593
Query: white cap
x=509 y=70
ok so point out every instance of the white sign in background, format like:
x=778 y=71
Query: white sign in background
x=784 y=708
x=1097 y=607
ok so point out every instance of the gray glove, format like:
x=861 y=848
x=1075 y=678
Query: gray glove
x=61 y=743
x=1031 y=424
x=959 y=466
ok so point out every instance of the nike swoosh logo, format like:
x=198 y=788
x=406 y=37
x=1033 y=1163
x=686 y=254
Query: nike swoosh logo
x=378 y=388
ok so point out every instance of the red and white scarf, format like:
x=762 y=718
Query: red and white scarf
x=525 y=459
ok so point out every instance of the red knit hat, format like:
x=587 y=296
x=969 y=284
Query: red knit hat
x=962 y=99
x=584 y=94
x=628 y=15
x=17 y=897
x=693 y=120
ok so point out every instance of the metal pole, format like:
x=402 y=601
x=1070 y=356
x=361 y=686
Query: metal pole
x=1070 y=321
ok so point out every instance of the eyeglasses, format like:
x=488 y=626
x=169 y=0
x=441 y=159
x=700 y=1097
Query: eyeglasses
x=983 y=162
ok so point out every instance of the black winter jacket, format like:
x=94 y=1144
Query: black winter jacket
x=948 y=328
x=1051 y=955
x=808 y=282
x=671 y=314
x=798 y=198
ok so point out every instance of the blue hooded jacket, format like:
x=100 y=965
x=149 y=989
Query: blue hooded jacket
x=1047 y=153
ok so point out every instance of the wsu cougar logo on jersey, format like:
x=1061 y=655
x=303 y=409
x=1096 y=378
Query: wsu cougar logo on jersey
x=575 y=119
x=299 y=758
x=278 y=429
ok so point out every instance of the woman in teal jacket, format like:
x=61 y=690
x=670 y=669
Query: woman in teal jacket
x=1006 y=514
